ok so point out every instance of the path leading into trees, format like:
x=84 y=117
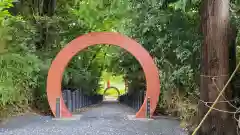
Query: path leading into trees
x=108 y=118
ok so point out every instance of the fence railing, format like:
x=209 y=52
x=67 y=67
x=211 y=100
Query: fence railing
x=76 y=99
x=135 y=100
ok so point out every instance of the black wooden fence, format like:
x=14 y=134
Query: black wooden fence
x=134 y=100
x=76 y=99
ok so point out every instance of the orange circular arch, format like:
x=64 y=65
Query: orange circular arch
x=112 y=87
x=62 y=59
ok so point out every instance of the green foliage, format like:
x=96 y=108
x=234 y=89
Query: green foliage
x=19 y=67
x=18 y=73
x=101 y=15
x=168 y=29
x=171 y=36
x=4 y=4
x=31 y=40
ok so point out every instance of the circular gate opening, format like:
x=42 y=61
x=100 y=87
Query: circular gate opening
x=59 y=64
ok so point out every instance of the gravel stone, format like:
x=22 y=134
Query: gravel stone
x=106 y=119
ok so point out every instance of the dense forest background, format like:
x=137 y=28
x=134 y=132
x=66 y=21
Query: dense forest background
x=33 y=32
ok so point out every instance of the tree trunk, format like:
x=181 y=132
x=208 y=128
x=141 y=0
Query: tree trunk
x=48 y=9
x=215 y=62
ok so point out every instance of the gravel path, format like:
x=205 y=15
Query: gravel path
x=109 y=118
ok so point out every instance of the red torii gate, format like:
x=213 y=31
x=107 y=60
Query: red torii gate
x=62 y=59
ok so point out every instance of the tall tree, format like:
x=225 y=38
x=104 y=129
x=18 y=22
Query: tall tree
x=49 y=7
x=215 y=24
x=48 y=10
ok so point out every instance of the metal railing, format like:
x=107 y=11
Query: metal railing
x=135 y=100
x=76 y=99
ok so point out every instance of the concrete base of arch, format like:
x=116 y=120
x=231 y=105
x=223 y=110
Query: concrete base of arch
x=74 y=117
x=134 y=118
x=55 y=74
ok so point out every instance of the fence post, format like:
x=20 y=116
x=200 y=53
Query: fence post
x=90 y=100
x=134 y=102
x=81 y=99
x=148 y=108
x=125 y=99
x=87 y=101
x=58 y=107
x=73 y=101
x=69 y=100
x=84 y=100
x=138 y=103
x=77 y=99
x=140 y=99
x=64 y=94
